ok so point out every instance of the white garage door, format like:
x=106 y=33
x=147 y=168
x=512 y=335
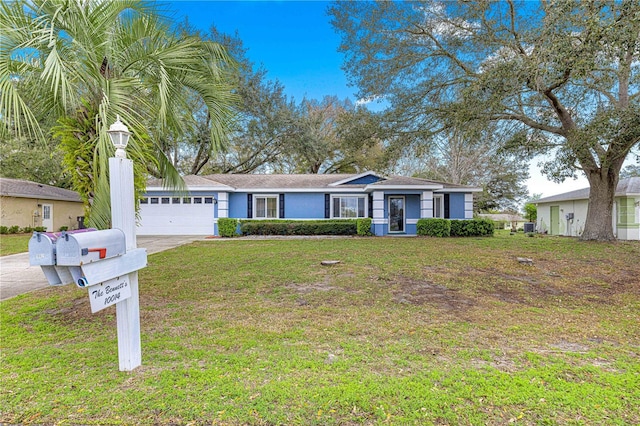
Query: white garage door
x=176 y=216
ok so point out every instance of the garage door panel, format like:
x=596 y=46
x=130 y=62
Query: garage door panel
x=176 y=219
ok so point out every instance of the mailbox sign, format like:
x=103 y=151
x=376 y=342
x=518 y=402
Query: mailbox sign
x=109 y=293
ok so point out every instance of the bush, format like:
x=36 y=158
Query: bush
x=64 y=228
x=472 y=228
x=434 y=227
x=363 y=227
x=4 y=230
x=227 y=227
x=27 y=230
x=40 y=229
x=298 y=227
x=13 y=230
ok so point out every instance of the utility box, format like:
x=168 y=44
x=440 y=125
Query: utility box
x=529 y=227
x=569 y=216
x=87 y=247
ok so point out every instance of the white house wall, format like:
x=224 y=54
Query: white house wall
x=575 y=227
x=568 y=227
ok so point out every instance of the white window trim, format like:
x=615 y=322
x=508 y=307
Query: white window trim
x=404 y=214
x=255 y=204
x=438 y=199
x=366 y=204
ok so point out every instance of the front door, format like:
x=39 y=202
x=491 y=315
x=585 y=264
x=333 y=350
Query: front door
x=47 y=216
x=554 y=225
x=396 y=214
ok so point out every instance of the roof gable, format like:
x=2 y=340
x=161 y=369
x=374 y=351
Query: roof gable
x=365 y=178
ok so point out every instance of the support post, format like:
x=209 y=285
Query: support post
x=123 y=218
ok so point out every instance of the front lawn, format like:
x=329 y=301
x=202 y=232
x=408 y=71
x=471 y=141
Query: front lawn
x=401 y=331
x=14 y=243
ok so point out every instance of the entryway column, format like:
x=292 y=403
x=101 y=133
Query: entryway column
x=468 y=206
x=378 y=219
x=426 y=205
x=223 y=209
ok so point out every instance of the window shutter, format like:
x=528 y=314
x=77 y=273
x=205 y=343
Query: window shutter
x=249 y=206
x=446 y=206
x=327 y=206
x=370 y=205
x=281 y=199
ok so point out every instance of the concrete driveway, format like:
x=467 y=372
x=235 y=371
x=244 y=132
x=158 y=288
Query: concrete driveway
x=17 y=277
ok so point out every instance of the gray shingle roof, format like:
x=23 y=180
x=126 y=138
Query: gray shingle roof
x=27 y=189
x=297 y=181
x=629 y=186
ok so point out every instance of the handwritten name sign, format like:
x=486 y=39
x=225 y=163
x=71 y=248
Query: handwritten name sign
x=109 y=293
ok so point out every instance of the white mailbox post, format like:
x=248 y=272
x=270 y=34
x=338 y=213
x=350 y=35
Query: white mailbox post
x=123 y=217
x=105 y=262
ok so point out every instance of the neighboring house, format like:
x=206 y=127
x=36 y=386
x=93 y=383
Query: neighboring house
x=505 y=220
x=394 y=203
x=30 y=204
x=565 y=214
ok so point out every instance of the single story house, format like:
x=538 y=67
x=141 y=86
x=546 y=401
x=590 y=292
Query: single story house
x=565 y=214
x=394 y=203
x=505 y=220
x=30 y=204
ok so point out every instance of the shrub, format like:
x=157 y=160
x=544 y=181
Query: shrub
x=300 y=227
x=472 y=228
x=227 y=227
x=363 y=227
x=13 y=230
x=64 y=228
x=4 y=230
x=40 y=229
x=27 y=230
x=434 y=227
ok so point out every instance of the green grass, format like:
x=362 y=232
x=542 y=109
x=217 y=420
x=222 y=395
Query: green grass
x=14 y=243
x=402 y=331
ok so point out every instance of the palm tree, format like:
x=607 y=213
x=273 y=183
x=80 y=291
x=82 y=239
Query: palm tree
x=87 y=61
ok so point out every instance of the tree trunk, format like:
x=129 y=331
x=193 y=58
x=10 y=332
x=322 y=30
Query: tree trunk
x=599 y=223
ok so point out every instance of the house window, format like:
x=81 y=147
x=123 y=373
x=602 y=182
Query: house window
x=154 y=200
x=165 y=200
x=197 y=200
x=266 y=207
x=186 y=200
x=175 y=200
x=208 y=200
x=438 y=206
x=144 y=200
x=345 y=207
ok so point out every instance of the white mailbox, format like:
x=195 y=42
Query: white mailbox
x=42 y=249
x=42 y=252
x=88 y=247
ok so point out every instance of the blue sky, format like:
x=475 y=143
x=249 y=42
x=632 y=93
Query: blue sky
x=298 y=46
x=292 y=39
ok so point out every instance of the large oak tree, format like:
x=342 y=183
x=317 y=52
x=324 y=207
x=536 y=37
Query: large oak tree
x=568 y=73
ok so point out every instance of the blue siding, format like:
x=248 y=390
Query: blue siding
x=238 y=205
x=456 y=205
x=304 y=206
x=413 y=207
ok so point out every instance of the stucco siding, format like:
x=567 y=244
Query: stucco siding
x=304 y=206
x=456 y=206
x=238 y=205
x=568 y=227
x=27 y=212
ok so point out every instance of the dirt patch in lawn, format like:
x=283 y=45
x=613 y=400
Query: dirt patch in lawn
x=418 y=292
